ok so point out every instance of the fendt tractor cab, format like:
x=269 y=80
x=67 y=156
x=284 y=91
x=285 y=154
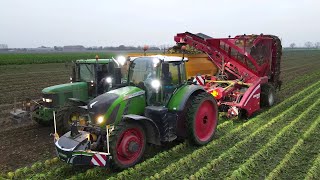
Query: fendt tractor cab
x=89 y=79
x=157 y=104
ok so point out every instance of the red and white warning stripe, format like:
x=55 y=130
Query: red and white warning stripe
x=98 y=160
x=199 y=80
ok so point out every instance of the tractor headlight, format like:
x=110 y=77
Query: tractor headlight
x=155 y=84
x=156 y=61
x=109 y=80
x=121 y=60
x=47 y=100
x=100 y=119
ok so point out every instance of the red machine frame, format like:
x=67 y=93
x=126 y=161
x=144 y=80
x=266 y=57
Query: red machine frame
x=245 y=63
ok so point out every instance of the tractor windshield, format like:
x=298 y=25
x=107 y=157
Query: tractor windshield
x=145 y=73
x=86 y=72
x=143 y=70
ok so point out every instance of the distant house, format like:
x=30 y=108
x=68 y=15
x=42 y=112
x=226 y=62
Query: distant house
x=74 y=48
x=41 y=49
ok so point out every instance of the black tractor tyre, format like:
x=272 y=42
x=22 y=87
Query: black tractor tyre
x=127 y=144
x=202 y=118
x=64 y=115
x=268 y=95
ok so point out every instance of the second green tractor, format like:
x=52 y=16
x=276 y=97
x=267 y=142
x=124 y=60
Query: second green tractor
x=89 y=79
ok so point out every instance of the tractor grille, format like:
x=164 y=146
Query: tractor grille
x=55 y=100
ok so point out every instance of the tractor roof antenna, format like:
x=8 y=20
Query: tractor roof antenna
x=183 y=48
x=97 y=57
x=145 y=48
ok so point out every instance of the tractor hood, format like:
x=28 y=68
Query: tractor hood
x=59 y=94
x=63 y=88
x=113 y=104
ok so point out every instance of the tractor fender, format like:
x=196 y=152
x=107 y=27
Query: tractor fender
x=182 y=95
x=152 y=130
x=76 y=101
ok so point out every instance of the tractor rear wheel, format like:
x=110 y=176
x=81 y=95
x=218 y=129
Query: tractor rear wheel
x=66 y=115
x=268 y=94
x=202 y=118
x=127 y=144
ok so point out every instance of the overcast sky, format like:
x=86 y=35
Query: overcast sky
x=32 y=23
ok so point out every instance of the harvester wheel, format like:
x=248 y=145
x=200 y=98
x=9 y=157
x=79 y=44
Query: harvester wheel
x=65 y=115
x=202 y=118
x=268 y=94
x=127 y=144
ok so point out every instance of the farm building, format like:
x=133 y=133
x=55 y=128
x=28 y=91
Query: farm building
x=74 y=48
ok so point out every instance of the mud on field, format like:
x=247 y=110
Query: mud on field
x=24 y=144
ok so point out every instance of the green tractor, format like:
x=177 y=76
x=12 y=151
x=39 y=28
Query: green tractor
x=89 y=79
x=157 y=104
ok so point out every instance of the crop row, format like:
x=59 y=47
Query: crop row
x=160 y=163
x=233 y=157
x=141 y=170
x=280 y=109
x=314 y=171
x=34 y=78
x=35 y=168
x=239 y=137
x=308 y=139
x=42 y=58
x=268 y=156
x=31 y=84
x=161 y=157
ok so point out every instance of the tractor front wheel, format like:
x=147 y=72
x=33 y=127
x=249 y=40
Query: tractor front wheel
x=202 y=118
x=268 y=94
x=65 y=116
x=127 y=144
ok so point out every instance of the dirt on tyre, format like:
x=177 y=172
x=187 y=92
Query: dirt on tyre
x=202 y=118
x=127 y=144
x=65 y=115
x=268 y=95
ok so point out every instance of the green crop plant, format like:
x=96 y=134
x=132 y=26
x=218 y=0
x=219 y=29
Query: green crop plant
x=235 y=132
x=242 y=149
x=294 y=151
x=165 y=156
x=314 y=172
x=281 y=136
x=44 y=58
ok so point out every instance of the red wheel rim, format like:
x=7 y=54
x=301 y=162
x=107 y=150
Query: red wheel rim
x=205 y=121
x=130 y=145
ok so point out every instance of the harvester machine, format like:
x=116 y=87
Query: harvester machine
x=249 y=69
